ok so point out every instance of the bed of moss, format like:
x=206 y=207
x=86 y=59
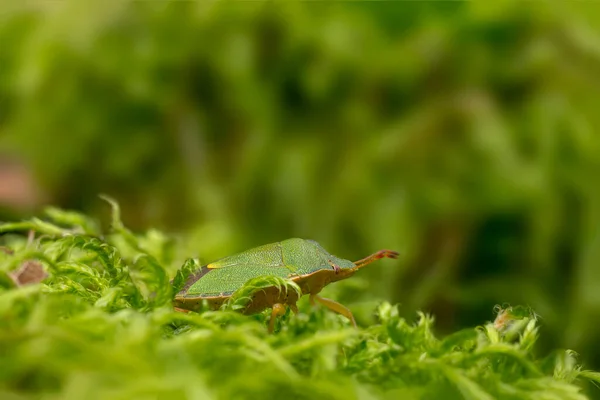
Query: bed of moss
x=87 y=315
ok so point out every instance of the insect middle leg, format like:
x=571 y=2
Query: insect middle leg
x=278 y=310
x=334 y=306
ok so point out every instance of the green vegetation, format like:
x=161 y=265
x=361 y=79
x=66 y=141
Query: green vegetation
x=462 y=134
x=101 y=326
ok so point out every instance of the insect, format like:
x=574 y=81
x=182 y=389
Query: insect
x=303 y=261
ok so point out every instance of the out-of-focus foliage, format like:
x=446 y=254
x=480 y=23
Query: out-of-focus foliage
x=101 y=326
x=462 y=134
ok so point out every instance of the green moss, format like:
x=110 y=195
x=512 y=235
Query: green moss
x=101 y=326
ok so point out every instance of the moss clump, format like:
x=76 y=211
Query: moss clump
x=100 y=326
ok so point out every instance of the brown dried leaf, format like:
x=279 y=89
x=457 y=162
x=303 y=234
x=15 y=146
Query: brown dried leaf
x=31 y=272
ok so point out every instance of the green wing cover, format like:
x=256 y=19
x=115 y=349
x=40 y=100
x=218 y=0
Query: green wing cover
x=228 y=274
x=225 y=281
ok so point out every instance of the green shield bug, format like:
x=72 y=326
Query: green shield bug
x=303 y=261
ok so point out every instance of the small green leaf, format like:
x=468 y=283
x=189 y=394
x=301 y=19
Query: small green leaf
x=189 y=266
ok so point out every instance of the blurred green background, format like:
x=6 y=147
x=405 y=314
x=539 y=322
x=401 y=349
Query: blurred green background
x=463 y=135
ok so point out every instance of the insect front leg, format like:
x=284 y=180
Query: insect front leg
x=334 y=306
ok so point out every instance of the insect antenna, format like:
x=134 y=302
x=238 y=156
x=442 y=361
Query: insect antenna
x=374 y=257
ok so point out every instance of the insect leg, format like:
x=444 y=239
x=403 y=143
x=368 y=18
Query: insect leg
x=181 y=310
x=334 y=306
x=294 y=308
x=278 y=309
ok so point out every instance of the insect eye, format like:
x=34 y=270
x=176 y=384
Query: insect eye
x=335 y=267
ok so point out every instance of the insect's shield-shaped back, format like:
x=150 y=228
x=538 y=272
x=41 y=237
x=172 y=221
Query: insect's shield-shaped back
x=241 y=297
